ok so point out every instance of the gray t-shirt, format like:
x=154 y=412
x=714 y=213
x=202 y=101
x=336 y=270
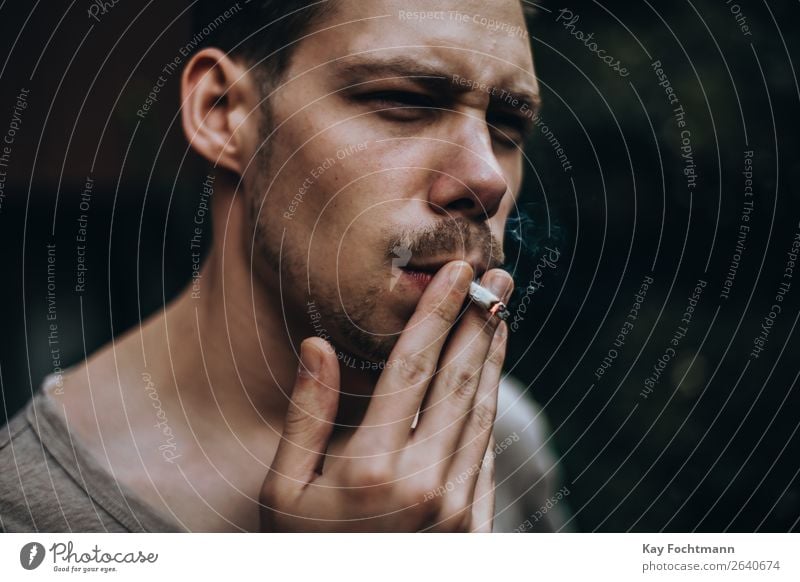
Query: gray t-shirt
x=50 y=482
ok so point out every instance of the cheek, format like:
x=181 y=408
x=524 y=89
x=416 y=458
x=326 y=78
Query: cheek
x=343 y=179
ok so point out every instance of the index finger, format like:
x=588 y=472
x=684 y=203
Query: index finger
x=402 y=386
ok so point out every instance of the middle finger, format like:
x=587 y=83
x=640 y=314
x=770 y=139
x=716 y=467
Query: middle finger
x=451 y=395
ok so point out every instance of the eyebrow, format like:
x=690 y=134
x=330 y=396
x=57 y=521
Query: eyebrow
x=439 y=79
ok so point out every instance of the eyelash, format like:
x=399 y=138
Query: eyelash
x=403 y=100
x=516 y=125
x=407 y=103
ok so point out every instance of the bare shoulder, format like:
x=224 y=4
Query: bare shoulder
x=527 y=473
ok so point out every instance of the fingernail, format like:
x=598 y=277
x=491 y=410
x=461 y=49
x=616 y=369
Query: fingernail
x=500 y=283
x=310 y=361
x=461 y=275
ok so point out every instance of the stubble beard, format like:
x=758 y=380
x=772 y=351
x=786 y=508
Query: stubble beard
x=347 y=330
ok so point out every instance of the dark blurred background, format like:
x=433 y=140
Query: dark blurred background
x=709 y=443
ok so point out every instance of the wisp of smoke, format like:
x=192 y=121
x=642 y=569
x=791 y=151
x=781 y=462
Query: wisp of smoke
x=525 y=239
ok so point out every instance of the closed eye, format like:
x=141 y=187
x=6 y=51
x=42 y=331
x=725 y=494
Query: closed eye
x=400 y=105
x=399 y=99
x=508 y=129
x=511 y=130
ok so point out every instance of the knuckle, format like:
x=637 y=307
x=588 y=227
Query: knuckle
x=370 y=476
x=295 y=415
x=466 y=383
x=417 y=371
x=484 y=416
x=421 y=484
x=497 y=356
x=443 y=311
x=298 y=422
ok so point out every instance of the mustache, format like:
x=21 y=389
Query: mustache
x=453 y=236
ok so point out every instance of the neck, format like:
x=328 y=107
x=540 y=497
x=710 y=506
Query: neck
x=227 y=343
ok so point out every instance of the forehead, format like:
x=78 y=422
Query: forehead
x=486 y=43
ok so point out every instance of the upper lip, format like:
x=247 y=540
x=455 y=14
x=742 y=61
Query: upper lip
x=432 y=265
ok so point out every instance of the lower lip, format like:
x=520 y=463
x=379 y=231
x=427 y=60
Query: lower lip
x=419 y=279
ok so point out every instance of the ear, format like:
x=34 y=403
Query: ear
x=220 y=108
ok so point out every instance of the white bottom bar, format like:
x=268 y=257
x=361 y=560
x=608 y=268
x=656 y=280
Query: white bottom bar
x=378 y=557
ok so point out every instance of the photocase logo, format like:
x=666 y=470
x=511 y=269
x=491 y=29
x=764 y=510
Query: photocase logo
x=31 y=555
x=403 y=255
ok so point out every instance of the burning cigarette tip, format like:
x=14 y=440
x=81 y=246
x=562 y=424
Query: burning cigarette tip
x=488 y=300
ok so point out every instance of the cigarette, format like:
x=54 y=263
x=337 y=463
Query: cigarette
x=488 y=300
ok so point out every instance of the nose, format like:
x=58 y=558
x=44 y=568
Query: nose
x=469 y=181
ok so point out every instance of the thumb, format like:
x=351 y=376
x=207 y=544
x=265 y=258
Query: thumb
x=311 y=414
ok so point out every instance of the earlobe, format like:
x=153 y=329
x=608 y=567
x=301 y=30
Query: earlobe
x=215 y=104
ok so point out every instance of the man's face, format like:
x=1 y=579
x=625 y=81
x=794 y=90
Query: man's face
x=384 y=162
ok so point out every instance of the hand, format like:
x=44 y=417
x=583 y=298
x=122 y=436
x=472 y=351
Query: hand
x=390 y=477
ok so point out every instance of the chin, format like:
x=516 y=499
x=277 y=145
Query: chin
x=370 y=338
x=366 y=320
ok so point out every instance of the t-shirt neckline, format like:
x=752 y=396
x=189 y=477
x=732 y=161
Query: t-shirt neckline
x=49 y=424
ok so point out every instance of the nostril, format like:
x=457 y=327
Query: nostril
x=461 y=204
